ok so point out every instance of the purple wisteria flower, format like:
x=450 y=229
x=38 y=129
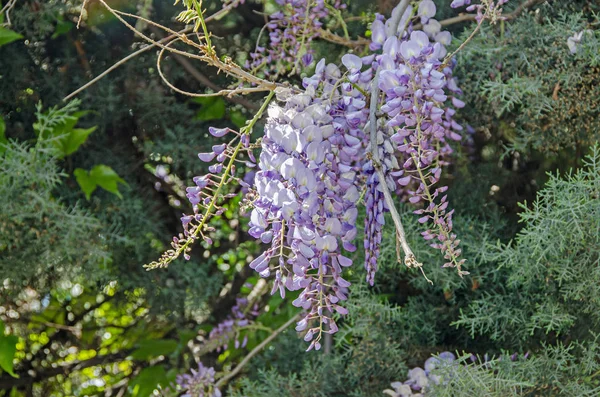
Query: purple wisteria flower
x=420 y=380
x=317 y=163
x=313 y=165
x=413 y=132
x=574 y=41
x=307 y=190
x=242 y=315
x=291 y=30
x=199 y=383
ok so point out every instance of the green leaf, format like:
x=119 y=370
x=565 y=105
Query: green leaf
x=154 y=348
x=86 y=184
x=8 y=36
x=238 y=118
x=62 y=27
x=101 y=175
x=107 y=179
x=69 y=123
x=147 y=380
x=213 y=108
x=75 y=138
x=8 y=348
x=3 y=139
x=64 y=136
x=185 y=336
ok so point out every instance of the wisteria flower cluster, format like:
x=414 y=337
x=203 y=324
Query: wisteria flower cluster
x=291 y=30
x=378 y=125
x=199 y=383
x=307 y=195
x=242 y=314
x=312 y=166
x=420 y=379
x=417 y=83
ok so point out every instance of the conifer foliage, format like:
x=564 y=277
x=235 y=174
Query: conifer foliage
x=320 y=164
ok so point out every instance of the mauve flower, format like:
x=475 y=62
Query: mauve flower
x=378 y=35
x=426 y=10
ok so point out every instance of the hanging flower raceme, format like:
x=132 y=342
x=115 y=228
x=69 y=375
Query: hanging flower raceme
x=291 y=30
x=199 y=383
x=307 y=194
x=414 y=128
x=209 y=192
x=242 y=316
x=382 y=123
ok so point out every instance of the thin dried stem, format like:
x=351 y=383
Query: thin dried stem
x=229 y=68
x=223 y=92
x=6 y=11
x=336 y=39
x=255 y=351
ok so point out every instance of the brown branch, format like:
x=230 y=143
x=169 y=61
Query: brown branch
x=472 y=17
x=334 y=38
x=216 y=16
x=202 y=79
x=223 y=381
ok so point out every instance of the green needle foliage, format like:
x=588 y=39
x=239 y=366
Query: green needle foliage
x=88 y=197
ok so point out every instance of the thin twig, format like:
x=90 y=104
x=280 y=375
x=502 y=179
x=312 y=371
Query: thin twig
x=123 y=61
x=223 y=92
x=472 y=17
x=336 y=39
x=81 y=13
x=254 y=352
x=463 y=44
x=227 y=67
x=202 y=79
x=6 y=11
x=216 y=16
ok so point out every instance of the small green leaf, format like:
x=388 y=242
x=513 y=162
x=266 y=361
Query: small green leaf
x=62 y=27
x=86 y=184
x=185 y=336
x=238 y=118
x=69 y=123
x=75 y=138
x=101 y=175
x=8 y=348
x=154 y=348
x=147 y=380
x=107 y=179
x=213 y=108
x=8 y=36
x=3 y=139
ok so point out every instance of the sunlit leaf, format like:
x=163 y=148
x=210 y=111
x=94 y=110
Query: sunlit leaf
x=74 y=139
x=107 y=179
x=85 y=182
x=213 y=108
x=8 y=36
x=147 y=380
x=154 y=348
x=8 y=348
